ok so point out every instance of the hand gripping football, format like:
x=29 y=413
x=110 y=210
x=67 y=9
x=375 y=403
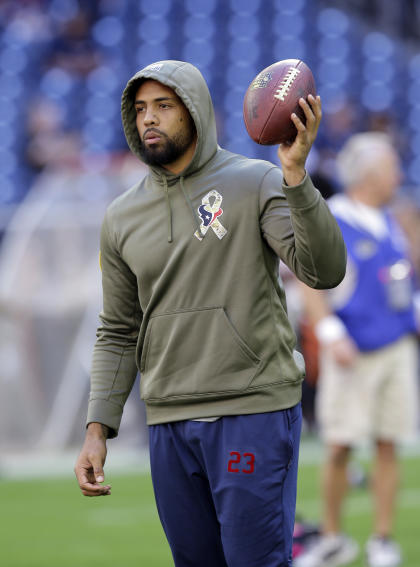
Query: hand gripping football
x=272 y=97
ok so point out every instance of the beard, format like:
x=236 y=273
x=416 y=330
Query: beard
x=168 y=149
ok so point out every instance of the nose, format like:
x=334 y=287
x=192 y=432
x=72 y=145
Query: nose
x=150 y=117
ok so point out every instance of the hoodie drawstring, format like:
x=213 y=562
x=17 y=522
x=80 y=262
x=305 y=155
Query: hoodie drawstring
x=190 y=205
x=168 y=208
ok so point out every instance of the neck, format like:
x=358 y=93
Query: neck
x=183 y=162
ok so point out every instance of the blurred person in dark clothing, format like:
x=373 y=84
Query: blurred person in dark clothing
x=73 y=49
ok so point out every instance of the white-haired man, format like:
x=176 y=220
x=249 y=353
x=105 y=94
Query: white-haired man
x=368 y=354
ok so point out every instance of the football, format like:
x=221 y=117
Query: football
x=272 y=97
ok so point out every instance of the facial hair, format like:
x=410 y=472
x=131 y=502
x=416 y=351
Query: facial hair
x=169 y=149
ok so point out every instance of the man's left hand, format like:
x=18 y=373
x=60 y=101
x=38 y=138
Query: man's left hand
x=293 y=155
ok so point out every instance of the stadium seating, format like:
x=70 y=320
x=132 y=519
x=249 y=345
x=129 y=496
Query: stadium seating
x=229 y=40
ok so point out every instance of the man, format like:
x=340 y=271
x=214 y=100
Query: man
x=368 y=353
x=189 y=263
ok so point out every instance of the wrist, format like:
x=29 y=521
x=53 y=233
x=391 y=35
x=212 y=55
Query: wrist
x=330 y=329
x=294 y=175
x=98 y=430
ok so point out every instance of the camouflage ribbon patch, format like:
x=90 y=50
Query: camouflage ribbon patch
x=209 y=214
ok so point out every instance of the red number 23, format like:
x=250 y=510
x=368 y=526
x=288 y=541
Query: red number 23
x=249 y=459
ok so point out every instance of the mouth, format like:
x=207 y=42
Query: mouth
x=151 y=137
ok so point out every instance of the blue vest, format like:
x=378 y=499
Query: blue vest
x=381 y=309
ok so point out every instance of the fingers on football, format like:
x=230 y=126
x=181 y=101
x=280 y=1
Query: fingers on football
x=300 y=126
x=312 y=109
x=309 y=115
x=316 y=106
x=312 y=115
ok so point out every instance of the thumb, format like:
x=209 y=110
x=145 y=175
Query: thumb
x=98 y=471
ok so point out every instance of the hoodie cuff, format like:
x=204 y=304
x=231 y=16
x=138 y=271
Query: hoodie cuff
x=301 y=196
x=107 y=413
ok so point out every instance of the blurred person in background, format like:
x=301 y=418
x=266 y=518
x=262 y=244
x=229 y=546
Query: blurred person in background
x=49 y=143
x=73 y=48
x=189 y=262
x=366 y=329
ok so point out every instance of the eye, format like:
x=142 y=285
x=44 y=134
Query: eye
x=139 y=109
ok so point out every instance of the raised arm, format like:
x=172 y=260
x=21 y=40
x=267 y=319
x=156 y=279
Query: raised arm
x=295 y=220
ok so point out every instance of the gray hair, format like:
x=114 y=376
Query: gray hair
x=359 y=156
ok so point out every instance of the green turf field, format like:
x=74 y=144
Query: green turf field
x=47 y=523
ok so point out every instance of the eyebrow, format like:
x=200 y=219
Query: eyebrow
x=160 y=99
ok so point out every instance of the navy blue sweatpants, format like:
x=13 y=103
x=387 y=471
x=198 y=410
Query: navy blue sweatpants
x=226 y=490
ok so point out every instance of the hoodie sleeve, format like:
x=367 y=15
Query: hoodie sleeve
x=298 y=225
x=114 y=367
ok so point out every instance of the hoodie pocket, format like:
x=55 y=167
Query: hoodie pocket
x=195 y=353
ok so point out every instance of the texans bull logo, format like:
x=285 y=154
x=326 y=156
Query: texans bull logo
x=207 y=215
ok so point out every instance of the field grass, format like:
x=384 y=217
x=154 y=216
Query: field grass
x=47 y=523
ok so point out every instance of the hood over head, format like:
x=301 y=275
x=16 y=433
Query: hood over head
x=190 y=85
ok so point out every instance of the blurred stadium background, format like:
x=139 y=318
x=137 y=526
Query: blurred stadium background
x=63 y=158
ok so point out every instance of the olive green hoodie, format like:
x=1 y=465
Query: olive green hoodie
x=191 y=295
